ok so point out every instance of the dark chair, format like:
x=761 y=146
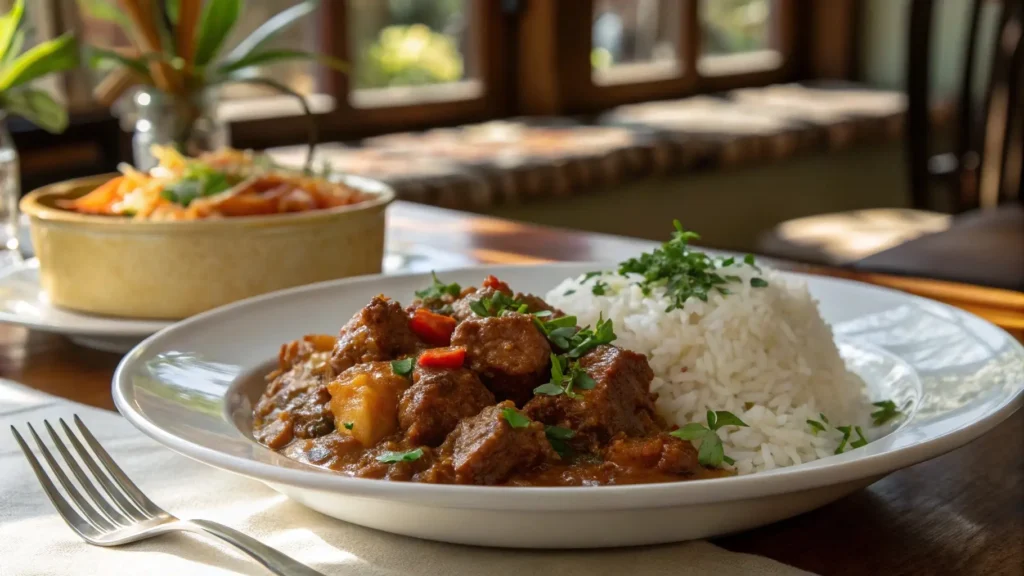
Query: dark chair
x=979 y=180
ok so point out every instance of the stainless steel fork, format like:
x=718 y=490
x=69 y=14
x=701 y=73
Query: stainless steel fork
x=113 y=511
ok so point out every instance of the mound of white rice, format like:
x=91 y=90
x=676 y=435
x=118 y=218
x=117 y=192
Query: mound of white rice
x=764 y=354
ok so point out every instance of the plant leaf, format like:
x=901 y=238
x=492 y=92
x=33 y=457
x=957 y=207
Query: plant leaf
x=271 y=28
x=173 y=8
x=10 y=25
x=38 y=107
x=103 y=10
x=96 y=56
x=271 y=56
x=50 y=56
x=219 y=17
x=14 y=49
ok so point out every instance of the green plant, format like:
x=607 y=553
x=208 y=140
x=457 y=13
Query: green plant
x=18 y=70
x=178 y=49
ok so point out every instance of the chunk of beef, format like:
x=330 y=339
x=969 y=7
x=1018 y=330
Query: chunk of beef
x=437 y=400
x=537 y=304
x=486 y=449
x=511 y=356
x=380 y=331
x=619 y=403
x=664 y=453
x=295 y=403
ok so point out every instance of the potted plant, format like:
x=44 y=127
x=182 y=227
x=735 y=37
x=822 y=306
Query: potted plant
x=177 y=63
x=19 y=98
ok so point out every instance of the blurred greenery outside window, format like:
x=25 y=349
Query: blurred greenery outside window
x=410 y=50
x=635 y=40
x=736 y=36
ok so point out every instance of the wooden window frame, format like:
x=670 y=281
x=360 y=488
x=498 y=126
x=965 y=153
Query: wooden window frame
x=532 y=57
x=489 y=39
x=563 y=31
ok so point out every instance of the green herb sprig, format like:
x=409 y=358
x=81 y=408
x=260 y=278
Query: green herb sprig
x=349 y=425
x=711 y=453
x=557 y=437
x=515 y=418
x=566 y=375
x=497 y=304
x=887 y=411
x=438 y=290
x=402 y=367
x=407 y=456
x=684 y=272
x=198 y=180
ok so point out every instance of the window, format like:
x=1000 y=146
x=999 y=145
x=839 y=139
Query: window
x=410 y=50
x=425 y=63
x=736 y=36
x=635 y=40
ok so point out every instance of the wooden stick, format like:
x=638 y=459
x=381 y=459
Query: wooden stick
x=188 y=18
x=149 y=43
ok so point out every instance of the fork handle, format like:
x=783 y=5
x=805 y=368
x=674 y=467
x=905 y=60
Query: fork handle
x=275 y=561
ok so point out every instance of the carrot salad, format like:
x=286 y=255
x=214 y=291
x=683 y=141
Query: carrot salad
x=220 y=184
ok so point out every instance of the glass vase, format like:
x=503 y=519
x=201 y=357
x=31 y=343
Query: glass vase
x=10 y=188
x=186 y=123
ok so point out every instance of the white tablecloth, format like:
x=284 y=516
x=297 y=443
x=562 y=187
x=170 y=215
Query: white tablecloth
x=35 y=541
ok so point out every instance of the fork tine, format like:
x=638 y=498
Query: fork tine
x=129 y=487
x=130 y=509
x=87 y=510
x=109 y=512
x=71 y=516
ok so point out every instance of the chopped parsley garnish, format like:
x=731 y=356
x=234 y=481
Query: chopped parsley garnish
x=349 y=425
x=683 y=272
x=515 y=418
x=402 y=367
x=711 y=453
x=590 y=275
x=887 y=410
x=557 y=437
x=198 y=180
x=846 y=430
x=600 y=288
x=497 y=304
x=565 y=376
x=816 y=426
x=861 y=440
x=407 y=456
x=438 y=289
x=569 y=292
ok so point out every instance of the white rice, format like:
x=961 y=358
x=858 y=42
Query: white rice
x=764 y=354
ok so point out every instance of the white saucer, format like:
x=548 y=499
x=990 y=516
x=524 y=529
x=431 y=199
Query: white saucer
x=23 y=302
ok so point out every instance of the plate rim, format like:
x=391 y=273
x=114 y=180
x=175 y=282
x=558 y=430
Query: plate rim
x=129 y=327
x=843 y=469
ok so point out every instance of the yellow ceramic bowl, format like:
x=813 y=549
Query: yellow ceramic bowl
x=171 y=270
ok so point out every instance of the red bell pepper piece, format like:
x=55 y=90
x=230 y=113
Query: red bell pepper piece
x=492 y=282
x=434 y=329
x=443 y=358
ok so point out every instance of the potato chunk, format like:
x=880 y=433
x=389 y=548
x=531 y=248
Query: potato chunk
x=364 y=401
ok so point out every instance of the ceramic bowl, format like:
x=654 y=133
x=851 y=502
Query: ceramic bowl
x=171 y=270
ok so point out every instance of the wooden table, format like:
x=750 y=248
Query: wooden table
x=962 y=513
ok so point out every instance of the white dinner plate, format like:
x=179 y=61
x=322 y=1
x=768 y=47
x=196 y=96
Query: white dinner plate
x=193 y=385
